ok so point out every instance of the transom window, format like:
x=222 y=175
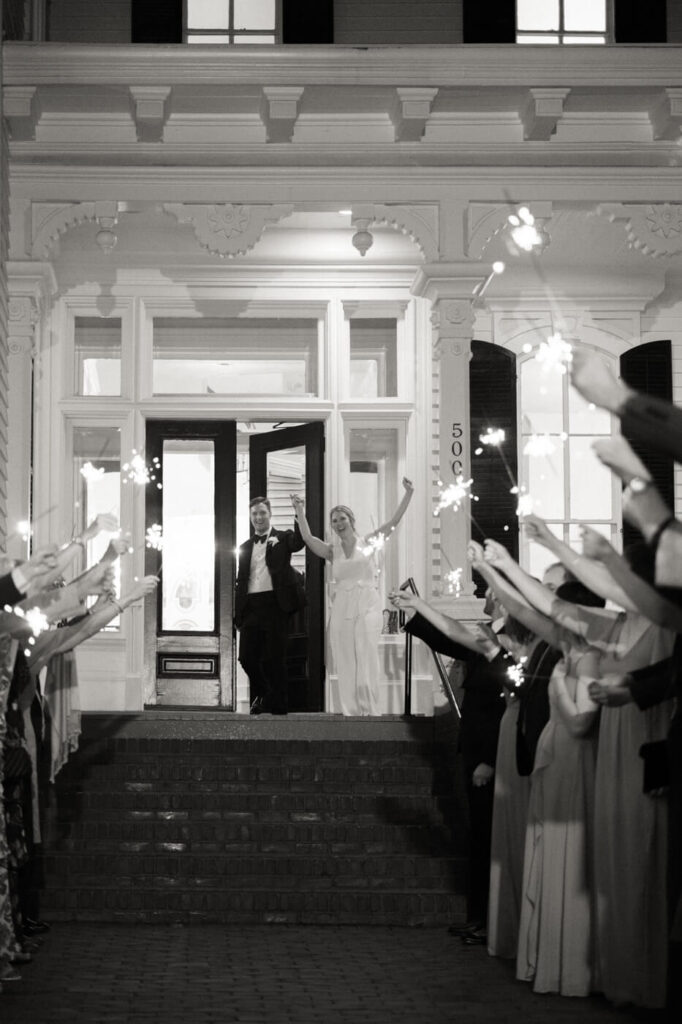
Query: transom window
x=577 y=22
x=232 y=21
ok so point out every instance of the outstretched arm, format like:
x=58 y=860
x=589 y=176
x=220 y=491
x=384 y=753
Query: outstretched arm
x=317 y=546
x=66 y=554
x=452 y=628
x=511 y=599
x=594 y=575
x=645 y=598
x=535 y=593
x=390 y=525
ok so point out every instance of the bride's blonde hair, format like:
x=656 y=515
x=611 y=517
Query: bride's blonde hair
x=347 y=511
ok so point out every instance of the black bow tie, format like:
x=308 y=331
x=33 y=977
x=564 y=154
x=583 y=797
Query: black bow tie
x=260 y=538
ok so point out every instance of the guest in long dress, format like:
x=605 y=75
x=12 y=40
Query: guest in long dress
x=356 y=615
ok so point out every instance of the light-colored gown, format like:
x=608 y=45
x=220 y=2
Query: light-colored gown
x=354 y=627
x=555 y=949
x=510 y=809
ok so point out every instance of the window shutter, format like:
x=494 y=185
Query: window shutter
x=492 y=389
x=640 y=22
x=308 y=21
x=156 y=21
x=648 y=368
x=489 y=22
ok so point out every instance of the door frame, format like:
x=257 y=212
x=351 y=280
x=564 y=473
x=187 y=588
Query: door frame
x=220 y=640
x=310 y=436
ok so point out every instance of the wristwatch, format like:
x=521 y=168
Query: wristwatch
x=638 y=484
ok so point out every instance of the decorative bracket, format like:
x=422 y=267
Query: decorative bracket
x=150 y=110
x=540 y=115
x=411 y=112
x=486 y=220
x=22 y=111
x=652 y=229
x=666 y=115
x=279 y=111
x=227 y=229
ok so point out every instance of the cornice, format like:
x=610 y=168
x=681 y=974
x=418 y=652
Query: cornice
x=417 y=66
x=305 y=184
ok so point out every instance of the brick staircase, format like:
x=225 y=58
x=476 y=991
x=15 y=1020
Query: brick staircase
x=201 y=816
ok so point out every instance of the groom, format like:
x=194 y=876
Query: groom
x=269 y=590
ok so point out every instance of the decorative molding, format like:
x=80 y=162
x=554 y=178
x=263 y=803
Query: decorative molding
x=652 y=229
x=666 y=114
x=375 y=309
x=279 y=111
x=418 y=222
x=150 y=105
x=453 y=323
x=227 y=229
x=49 y=221
x=541 y=113
x=411 y=112
x=486 y=220
x=21 y=109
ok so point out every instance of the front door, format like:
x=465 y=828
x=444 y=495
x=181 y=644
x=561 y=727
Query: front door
x=281 y=462
x=190 y=508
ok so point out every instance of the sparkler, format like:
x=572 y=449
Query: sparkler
x=539 y=444
x=91 y=473
x=515 y=673
x=37 y=621
x=454 y=494
x=154 y=537
x=374 y=544
x=494 y=437
x=454 y=582
x=554 y=354
x=138 y=472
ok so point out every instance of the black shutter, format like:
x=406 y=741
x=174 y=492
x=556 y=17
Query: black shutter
x=307 y=21
x=640 y=21
x=156 y=21
x=493 y=22
x=648 y=369
x=492 y=390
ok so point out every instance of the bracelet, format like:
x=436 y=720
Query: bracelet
x=660 y=529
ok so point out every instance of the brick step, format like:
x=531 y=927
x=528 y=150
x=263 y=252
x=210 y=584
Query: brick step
x=252 y=906
x=202 y=801
x=253 y=837
x=227 y=867
x=165 y=772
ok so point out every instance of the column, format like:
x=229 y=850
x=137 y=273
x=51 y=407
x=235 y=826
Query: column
x=450 y=288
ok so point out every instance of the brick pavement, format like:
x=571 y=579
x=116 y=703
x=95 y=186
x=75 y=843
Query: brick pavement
x=209 y=974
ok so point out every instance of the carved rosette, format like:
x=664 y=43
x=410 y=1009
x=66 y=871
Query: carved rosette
x=227 y=229
x=652 y=229
x=453 y=322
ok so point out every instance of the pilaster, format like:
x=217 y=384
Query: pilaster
x=450 y=287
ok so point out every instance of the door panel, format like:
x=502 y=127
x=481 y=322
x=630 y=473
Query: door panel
x=188 y=631
x=282 y=462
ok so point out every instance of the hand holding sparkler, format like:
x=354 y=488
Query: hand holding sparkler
x=35 y=572
x=594 y=379
x=537 y=529
x=475 y=554
x=117 y=546
x=105 y=522
x=616 y=453
x=497 y=555
x=595 y=545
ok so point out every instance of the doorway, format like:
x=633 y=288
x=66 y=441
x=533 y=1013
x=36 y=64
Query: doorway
x=196 y=516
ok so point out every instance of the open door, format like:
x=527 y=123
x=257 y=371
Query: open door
x=189 y=645
x=282 y=462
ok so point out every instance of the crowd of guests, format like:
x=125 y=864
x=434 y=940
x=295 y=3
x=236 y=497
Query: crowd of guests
x=570 y=737
x=42 y=621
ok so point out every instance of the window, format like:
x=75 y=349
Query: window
x=235 y=357
x=232 y=21
x=373 y=359
x=568 y=485
x=577 y=22
x=97 y=343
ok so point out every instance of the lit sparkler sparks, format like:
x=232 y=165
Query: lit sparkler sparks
x=554 y=354
x=154 y=537
x=37 y=621
x=91 y=473
x=374 y=544
x=515 y=673
x=493 y=436
x=24 y=530
x=524 y=231
x=539 y=444
x=138 y=472
x=454 y=582
x=454 y=494
x=525 y=505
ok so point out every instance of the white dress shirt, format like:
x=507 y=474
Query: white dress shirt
x=260 y=580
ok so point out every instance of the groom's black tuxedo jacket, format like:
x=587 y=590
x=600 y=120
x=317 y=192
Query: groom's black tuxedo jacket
x=287 y=584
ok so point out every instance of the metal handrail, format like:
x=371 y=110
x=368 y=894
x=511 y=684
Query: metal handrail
x=410 y=585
